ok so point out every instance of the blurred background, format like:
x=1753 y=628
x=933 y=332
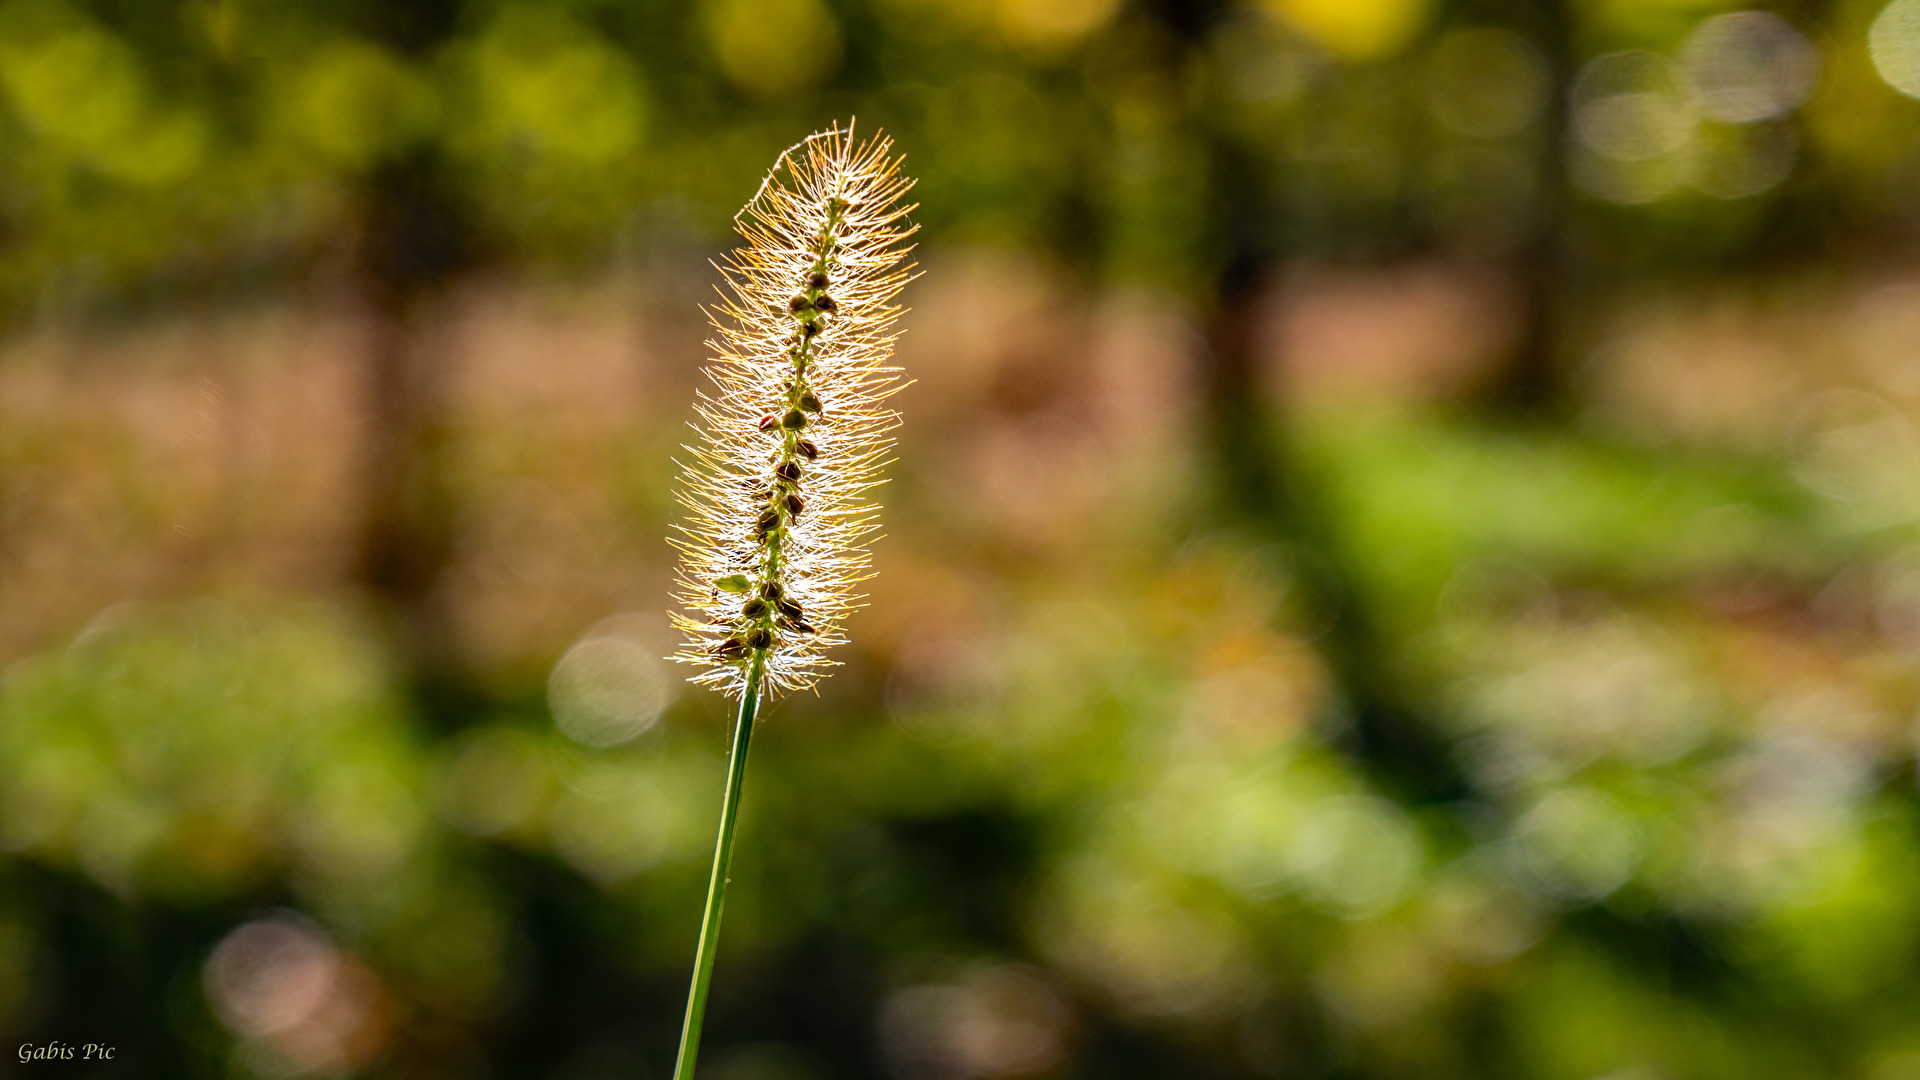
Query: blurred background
x=1404 y=559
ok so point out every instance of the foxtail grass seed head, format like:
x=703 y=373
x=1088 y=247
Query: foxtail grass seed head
x=804 y=333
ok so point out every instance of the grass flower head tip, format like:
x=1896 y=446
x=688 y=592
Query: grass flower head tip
x=794 y=430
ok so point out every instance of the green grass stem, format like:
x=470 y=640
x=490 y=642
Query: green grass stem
x=717 y=887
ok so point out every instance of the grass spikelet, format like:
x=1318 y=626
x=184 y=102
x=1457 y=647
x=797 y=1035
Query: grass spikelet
x=795 y=429
x=791 y=438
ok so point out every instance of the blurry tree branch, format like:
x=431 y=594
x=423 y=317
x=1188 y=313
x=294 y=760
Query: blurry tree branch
x=1258 y=485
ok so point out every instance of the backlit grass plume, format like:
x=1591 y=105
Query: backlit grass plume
x=791 y=437
x=796 y=429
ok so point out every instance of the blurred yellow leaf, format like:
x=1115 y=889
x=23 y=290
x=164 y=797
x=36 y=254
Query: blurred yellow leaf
x=773 y=47
x=77 y=85
x=82 y=90
x=351 y=101
x=542 y=85
x=164 y=149
x=1357 y=30
x=1051 y=24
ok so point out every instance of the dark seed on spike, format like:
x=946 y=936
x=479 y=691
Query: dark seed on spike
x=733 y=646
x=807 y=449
x=788 y=471
x=796 y=303
x=826 y=303
x=795 y=504
x=817 y=281
x=760 y=639
x=808 y=329
x=810 y=403
x=768 y=521
x=801 y=627
x=790 y=609
x=794 y=420
x=771 y=590
x=753 y=609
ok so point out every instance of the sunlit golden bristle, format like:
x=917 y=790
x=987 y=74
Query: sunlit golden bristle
x=795 y=429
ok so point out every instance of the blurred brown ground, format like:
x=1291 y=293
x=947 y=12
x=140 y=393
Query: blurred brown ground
x=216 y=450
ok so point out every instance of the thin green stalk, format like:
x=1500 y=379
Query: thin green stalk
x=717 y=887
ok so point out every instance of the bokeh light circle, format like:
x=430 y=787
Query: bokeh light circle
x=1894 y=43
x=608 y=688
x=1749 y=65
x=1737 y=162
x=1632 y=106
x=1485 y=82
x=271 y=974
x=1355 y=854
x=1578 y=844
